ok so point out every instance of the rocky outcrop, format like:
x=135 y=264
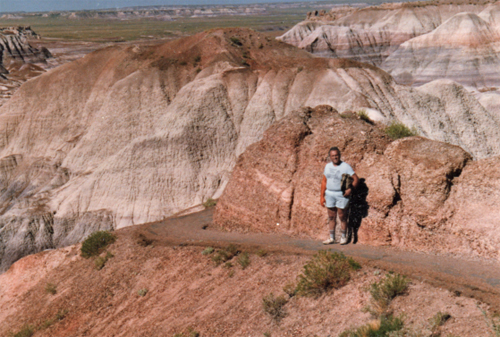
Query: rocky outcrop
x=136 y=134
x=19 y=61
x=415 y=193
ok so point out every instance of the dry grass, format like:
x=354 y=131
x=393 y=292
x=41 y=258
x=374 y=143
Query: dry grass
x=325 y=271
x=275 y=306
x=384 y=291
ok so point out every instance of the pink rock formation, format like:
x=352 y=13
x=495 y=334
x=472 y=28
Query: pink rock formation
x=416 y=193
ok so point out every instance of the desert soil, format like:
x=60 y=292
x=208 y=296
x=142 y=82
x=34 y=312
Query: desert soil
x=185 y=289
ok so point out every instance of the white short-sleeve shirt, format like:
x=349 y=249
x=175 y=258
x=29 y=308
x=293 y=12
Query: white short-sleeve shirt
x=334 y=173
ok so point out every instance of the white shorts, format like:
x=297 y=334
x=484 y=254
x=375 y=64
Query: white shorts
x=336 y=199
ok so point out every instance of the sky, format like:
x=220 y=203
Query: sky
x=63 y=5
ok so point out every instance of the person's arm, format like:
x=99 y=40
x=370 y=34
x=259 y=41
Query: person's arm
x=323 y=189
x=355 y=182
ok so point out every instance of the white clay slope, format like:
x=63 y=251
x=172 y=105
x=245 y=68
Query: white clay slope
x=464 y=49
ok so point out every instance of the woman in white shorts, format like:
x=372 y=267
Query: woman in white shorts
x=331 y=194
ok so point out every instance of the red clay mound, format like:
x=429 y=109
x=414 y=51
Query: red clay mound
x=410 y=196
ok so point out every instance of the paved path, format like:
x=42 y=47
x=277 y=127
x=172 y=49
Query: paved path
x=480 y=279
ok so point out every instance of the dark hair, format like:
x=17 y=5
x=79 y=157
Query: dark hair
x=333 y=149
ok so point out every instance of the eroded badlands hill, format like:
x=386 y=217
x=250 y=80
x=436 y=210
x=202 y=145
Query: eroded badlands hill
x=19 y=61
x=130 y=134
x=414 y=42
x=416 y=193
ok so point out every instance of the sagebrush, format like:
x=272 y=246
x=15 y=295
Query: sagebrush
x=96 y=242
x=323 y=272
x=274 y=306
x=397 y=130
x=384 y=291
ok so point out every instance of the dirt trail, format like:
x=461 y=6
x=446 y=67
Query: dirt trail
x=477 y=279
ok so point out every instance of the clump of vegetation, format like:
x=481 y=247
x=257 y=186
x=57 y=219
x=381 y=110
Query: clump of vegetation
x=397 y=130
x=231 y=273
x=275 y=306
x=437 y=321
x=236 y=41
x=183 y=63
x=96 y=242
x=198 y=70
x=261 y=46
x=51 y=288
x=325 y=271
x=142 y=292
x=189 y=333
x=210 y=203
x=197 y=59
x=225 y=255
x=244 y=260
x=384 y=291
x=299 y=69
x=228 y=265
x=100 y=262
x=26 y=331
x=261 y=253
x=493 y=323
x=364 y=116
x=290 y=289
x=382 y=327
x=207 y=251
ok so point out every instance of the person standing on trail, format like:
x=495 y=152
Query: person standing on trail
x=332 y=197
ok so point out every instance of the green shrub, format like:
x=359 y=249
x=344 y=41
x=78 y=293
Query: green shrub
x=190 y=333
x=26 y=331
x=492 y=322
x=142 y=292
x=323 y=272
x=364 y=116
x=207 y=251
x=244 y=260
x=96 y=242
x=290 y=289
x=261 y=253
x=397 y=130
x=51 y=288
x=379 y=328
x=274 y=306
x=384 y=291
x=100 y=262
x=438 y=320
x=224 y=255
x=210 y=203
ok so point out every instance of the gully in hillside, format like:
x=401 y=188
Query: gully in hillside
x=334 y=197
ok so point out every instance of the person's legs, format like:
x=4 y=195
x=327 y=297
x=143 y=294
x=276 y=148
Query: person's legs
x=343 y=225
x=332 y=221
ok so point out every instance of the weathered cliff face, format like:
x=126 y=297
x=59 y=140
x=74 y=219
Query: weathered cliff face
x=415 y=193
x=129 y=135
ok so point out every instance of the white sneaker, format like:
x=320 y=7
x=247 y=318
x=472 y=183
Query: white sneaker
x=343 y=240
x=328 y=241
